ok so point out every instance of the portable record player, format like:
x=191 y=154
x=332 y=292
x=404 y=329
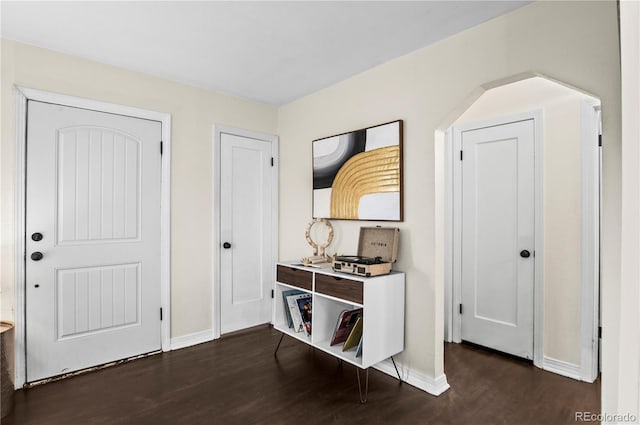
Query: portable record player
x=377 y=251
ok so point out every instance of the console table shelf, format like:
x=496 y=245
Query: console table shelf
x=381 y=299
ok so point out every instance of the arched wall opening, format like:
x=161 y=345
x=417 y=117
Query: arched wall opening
x=567 y=218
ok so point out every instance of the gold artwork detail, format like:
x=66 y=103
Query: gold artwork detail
x=375 y=171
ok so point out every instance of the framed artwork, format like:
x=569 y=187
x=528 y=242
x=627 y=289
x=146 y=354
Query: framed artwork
x=358 y=175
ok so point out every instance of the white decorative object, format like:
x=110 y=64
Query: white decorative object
x=318 y=250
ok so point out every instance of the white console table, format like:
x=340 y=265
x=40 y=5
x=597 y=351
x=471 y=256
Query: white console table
x=380 y=297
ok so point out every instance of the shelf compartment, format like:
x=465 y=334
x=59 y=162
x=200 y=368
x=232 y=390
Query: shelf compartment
x=295 y=277
x=280 y=319
x=336 y=351
x=339 y=287
x=302 y=336
x=325 y=317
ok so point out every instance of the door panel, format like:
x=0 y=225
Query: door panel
x=99 y=185
x=497 y=224
x=97 y=299
x=246 y=217
x=93 y=191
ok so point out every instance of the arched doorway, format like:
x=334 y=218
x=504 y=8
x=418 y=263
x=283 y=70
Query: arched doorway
x=564 y=243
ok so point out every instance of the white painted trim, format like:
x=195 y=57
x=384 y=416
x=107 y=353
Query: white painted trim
x=165 y=232
x=20 y=362
x=22 y=95
x=215 y=239
x=189 y=340
x=538 y=253
x=454 y=238
x=567 y=369
x=455 y=243
x=448 y=235
x=433 y=386
x=590 y=239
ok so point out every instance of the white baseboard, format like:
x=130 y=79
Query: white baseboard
x=191 y=339
x=563 y=368
x=433 y=386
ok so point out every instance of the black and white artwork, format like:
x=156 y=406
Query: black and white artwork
x=358 y=175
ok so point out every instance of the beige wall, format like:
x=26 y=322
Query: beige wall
x=574 y=42
x=193 y=112
x=561 y=133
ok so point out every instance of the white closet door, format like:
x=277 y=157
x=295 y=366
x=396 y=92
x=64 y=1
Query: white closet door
x=246 y=232
x=498 y=237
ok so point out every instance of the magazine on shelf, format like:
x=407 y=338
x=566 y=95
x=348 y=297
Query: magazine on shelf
x=294 y=310
x=359 y=349
x=287 y=312
x=304 y=305
x=346 y=321
x=354 y=336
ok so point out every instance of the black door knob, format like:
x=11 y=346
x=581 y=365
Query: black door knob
x=226 y=245
x=37 y=256
x=525 y=254
x=36 y=237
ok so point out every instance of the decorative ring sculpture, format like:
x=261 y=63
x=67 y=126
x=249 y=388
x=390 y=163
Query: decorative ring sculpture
x=319 y=249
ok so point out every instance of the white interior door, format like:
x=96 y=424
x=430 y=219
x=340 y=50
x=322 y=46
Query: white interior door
x=498 y=237
x=246 y=232
x=92 y=238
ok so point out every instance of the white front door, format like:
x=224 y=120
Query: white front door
x=92 y=238
x=246 y=231
x=498 y=237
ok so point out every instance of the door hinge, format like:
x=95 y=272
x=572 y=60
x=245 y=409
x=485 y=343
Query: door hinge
x=460 y=308
x=160 y=313
x=460 y=155
x=272 y=293
x=599 y=139
x=160 y=147
x=272 y=161
x=599 y=332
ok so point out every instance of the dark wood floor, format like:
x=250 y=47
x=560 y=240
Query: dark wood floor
x=237 y=380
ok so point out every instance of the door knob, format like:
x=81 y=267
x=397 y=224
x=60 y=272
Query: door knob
x=37 y=237
x=226 y=245
x=525 y=254
x=37 y=256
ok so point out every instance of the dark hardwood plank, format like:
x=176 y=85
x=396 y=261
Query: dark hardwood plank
x=237 y=380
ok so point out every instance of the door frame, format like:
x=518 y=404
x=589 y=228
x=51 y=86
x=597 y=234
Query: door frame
x=453 y=222
x=216 y=242
x=591 y=176
x=24 y=94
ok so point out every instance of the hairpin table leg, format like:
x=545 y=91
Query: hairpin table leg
x=275 y=353
x=366 y=385
x=394 y=365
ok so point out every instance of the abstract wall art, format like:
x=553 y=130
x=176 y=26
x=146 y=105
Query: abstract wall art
x=358 y=175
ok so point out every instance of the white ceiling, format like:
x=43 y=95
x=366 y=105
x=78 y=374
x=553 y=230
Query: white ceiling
x=273 y=52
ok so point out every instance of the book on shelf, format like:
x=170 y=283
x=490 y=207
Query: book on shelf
x=287 y=312
x=359 y=349
x=346 y=321
x=294 y=310
x=354 y=336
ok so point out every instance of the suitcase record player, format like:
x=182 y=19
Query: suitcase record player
x=377 y=251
